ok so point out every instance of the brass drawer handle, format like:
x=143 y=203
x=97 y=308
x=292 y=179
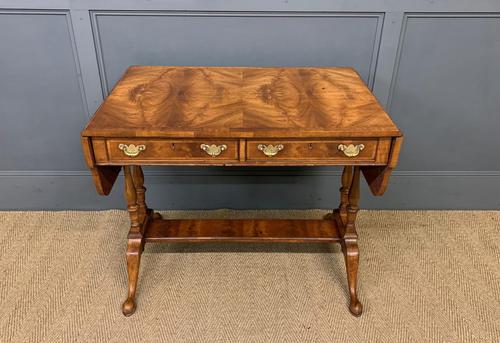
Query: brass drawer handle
x=270 y=150
x=131 y=150
x=351 y=150
x=213 y=150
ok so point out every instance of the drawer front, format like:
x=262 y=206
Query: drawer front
x=364 y=151
x=172 y=151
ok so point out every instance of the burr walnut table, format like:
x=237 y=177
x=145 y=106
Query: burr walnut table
x=232 y=116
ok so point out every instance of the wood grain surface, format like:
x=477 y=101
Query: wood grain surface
x=155 y=101
x=250 y=230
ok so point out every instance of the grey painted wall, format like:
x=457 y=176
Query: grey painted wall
x=435 y=66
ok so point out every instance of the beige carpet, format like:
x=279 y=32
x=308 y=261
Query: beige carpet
x=425 y=276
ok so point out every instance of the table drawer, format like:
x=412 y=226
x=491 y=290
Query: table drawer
x=158 y=150
x=369 y=151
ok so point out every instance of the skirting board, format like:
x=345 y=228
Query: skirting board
x=60 y=192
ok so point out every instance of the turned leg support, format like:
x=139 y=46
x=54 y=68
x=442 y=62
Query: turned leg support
x=348 y=210
x=344 y=195
x=137 y=209
x=347 y=177
x=144 y=211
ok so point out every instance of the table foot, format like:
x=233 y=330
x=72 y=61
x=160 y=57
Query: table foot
x=128 y=307
x=356 y=308
x=156 y=215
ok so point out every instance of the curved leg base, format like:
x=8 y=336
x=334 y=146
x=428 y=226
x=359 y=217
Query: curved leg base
x=351 y=254
x=134 y=251
x=128 y=307
x=156 y=215
x=356 y=308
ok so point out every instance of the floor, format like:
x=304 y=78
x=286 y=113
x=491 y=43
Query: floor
x=426 y=276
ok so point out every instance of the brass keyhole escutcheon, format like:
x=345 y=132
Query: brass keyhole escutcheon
x=131 y=150
x=270 y=150
x=351 y=150
x=213 y=150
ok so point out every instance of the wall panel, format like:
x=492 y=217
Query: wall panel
x=235 y=39
x=445 y=92
x=435 y=65
x=42 y=107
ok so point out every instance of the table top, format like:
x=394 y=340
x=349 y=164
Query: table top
x=240 y=102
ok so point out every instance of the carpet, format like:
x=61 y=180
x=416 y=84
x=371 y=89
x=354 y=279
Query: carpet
x=425 y=276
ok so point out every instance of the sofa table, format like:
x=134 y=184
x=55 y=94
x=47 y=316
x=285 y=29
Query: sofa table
x=239 y=116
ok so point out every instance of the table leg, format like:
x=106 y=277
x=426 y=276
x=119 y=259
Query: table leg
x=349 y=236
x=141 y=196
x=136 y=206
x=344 y=195
x=347 y=176
x=140 y=191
